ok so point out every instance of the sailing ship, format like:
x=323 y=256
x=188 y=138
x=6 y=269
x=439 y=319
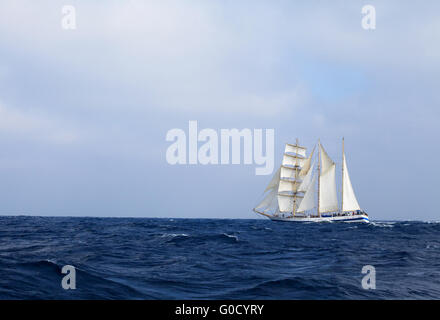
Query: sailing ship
x=299 y=192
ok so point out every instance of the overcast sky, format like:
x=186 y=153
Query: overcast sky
x=84 y=113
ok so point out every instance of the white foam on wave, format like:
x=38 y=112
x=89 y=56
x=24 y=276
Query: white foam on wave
x=231 y=236
x=173 y=235
x=383 y=224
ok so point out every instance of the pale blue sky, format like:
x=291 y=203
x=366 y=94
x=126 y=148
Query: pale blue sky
x=84 y=113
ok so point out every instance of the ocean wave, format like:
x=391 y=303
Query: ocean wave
x=201 y=239
x=294 y=288
x=382 y=224
x=220 y=259
x=90 y=285
x=231 y=236
x=174 y=235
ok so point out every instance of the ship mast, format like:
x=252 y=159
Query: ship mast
x=342 y=184
x=296 y=177
x=319 y=174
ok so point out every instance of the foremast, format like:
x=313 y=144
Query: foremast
x=296 y=179
x=289 y=195
x=283 y=194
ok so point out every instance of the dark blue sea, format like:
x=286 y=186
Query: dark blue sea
x=132 y=258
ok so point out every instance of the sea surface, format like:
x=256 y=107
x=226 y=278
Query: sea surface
x=133 y=258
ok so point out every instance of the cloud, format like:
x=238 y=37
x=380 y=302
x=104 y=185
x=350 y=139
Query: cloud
x=34 y=126
x=134 y=69
x=213 y=57
x=167 y=55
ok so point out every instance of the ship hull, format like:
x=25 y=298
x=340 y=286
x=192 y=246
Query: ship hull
x=354 y=218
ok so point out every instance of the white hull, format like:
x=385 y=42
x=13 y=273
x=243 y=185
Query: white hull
x=358 y=218
x=336 y=218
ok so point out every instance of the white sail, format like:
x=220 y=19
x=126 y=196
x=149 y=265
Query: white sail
x=285 y=203
x=328 y=198
x=299 y=200
x=266 y=201
x=287 y=172
x=309 y=198
x=269 y=203
x=288 y=186
x=289 y=160
x=307 y=180
x=349 y=201
x=290 y=148
x=326 y=161
x=273 y=206
x=273 y=184
x=306 y=165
